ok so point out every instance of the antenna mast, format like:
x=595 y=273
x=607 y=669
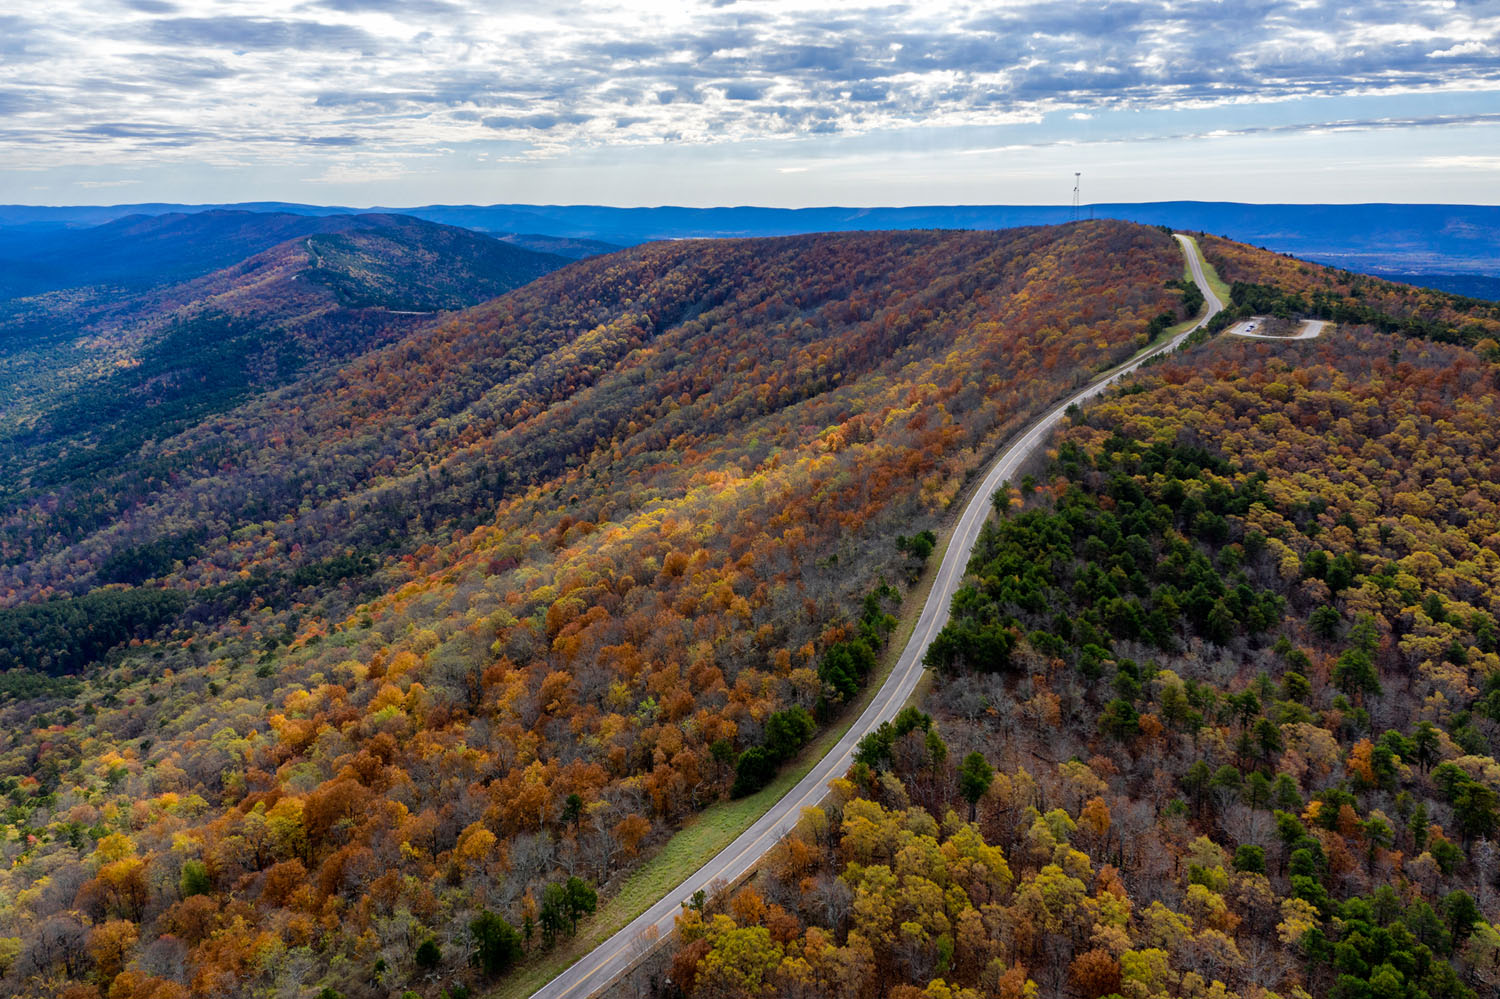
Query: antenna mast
x=1076 y=176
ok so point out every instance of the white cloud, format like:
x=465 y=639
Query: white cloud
x=329 y=87
x=1461 y=49
x=1461 y=162
x=359 y=173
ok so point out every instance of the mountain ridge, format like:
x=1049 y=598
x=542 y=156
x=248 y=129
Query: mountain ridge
x=1379 y=236
x=405 y=643
x=138 y=250
x=82 y=367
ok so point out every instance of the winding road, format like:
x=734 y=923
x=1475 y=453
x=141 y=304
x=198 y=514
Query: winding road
x=615 y=956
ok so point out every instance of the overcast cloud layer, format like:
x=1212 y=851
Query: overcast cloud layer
x=355 y=91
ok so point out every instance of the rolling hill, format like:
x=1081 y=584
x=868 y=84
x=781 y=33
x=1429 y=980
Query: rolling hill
x=519 y=588
x=150 y=250
x=1471 y=285
x=563 y=246
x=1216 y=710
x=421 y=647
x=1461 y=238
x=92 y=377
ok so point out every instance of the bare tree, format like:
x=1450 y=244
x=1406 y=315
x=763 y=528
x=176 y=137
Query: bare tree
x=830 y=901
x=165 y=957
x=57 y=941
x=1265 y=962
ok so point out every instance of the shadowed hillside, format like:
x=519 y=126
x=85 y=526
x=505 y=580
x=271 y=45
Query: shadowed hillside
x=138 y=251
x=93 y=377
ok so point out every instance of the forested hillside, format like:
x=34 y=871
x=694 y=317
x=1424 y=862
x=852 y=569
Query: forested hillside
x=1269 y=283
x=1217 y=711
x=95 y=379
x=152 y=250
x=397 y=665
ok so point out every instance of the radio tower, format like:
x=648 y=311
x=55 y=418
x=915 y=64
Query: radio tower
x=1076 y=175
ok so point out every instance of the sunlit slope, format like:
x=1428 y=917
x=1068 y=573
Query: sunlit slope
x=1219 y=696
x=585 y=540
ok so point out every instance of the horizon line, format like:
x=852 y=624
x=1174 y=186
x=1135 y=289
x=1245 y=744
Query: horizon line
x=207 y=205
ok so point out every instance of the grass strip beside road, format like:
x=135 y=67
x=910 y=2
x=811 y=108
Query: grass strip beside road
x=702 y=837
x=1214 y=281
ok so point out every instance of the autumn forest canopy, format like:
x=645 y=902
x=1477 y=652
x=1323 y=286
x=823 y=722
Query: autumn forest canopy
x=361 y=632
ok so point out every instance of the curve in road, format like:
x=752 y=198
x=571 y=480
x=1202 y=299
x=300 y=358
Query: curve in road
x=615 y=956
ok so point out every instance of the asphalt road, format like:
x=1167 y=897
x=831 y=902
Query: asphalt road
x=615 y=956
x=1309 y=331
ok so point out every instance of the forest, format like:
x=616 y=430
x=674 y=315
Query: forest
x=97 y=377
x=1279 y=285
x=390 y=672
x=1215 y=713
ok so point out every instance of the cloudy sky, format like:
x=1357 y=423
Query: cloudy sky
x=405 y=102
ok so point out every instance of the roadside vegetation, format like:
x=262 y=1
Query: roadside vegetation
x=1231 y=661
x=504 y=604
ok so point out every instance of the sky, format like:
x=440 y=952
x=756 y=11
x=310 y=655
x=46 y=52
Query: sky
x=412 y=102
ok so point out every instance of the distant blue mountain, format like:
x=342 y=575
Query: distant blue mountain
x=80 y=216
x=1452 y=238
x=1386 y=237
x=144 y=249
x=1468 y=285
